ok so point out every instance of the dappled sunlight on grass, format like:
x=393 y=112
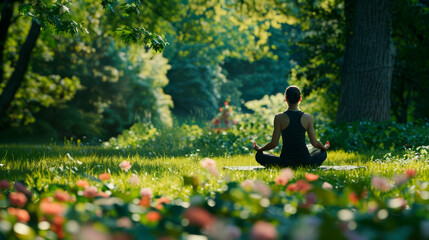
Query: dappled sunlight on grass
x=43 y=165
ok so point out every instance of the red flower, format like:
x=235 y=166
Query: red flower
x=104 y=176
x=17 y=199
x=145 y=202
x=300 y=186
x=153 y=216
x=82 y=183
x=353 y=198
x=225 y=103
x=410 y=173
x=220 y=109
x=160 y=202
x=216 y=122
x=21 y=214
x=226 y=121
x=311 y=177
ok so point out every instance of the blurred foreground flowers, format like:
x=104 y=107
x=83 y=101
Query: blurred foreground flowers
x=289 y=207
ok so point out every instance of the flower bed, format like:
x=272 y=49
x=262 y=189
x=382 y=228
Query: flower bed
x=288 y=207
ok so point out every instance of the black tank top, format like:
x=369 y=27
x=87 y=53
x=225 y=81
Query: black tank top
x=294 y=150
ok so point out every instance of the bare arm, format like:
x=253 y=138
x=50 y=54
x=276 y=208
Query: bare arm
x=312 y=136
x=274 y=140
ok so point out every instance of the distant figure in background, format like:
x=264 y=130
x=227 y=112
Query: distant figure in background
x=292 y=125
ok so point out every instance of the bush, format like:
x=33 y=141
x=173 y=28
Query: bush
x=371 y=135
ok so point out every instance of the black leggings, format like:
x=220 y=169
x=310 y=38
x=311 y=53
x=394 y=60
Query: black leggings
x=317 y=157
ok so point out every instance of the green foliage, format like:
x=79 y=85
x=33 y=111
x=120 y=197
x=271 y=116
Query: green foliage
x=265 y=76
x=39 y=89
x=133 y=35
x=368 y=135
x=52 y=13
x=205 y=34
x=410 y=76
x=121 y=85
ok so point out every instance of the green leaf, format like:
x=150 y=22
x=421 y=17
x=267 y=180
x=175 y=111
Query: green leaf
x=24 y=8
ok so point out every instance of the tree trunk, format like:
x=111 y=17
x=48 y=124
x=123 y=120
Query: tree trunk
x=17 y=77
x=6 y=16
x=366 y=75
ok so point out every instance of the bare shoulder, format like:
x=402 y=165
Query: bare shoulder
x=306 y=120
x=307 y=116
x=280 y=115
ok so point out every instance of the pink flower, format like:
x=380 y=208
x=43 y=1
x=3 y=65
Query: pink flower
x=124 y=222
x=102 y=194
x=284 y=177
x=17 y=199
x=311 y=177
x=104 y=176
x=281 y=180
x=90 y=192
x=48 y=207
x=263 y=231
x=327 y=185
x=247 y=185
x=398 y=180
x=220 y=230
x=62 y=196
x=134 y=180
x=199 y=217
x=410 y=173
x=4 y=185
x=125 y=165
x=146 y=192
x=210 y=165
x=207 y=162
x=82 y=183
x=381 y=183
x=262 y=189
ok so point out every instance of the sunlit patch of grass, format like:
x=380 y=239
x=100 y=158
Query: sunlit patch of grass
x=45 y=165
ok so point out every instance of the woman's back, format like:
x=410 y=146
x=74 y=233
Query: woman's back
x=294 y=150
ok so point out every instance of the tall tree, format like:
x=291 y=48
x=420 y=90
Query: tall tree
x=368 y=62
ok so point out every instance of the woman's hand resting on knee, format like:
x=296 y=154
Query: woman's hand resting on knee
x=256 y=147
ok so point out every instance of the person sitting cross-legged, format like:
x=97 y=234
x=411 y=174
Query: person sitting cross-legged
x=292 y=125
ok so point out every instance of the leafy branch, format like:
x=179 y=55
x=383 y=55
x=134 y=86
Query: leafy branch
x=140 y=34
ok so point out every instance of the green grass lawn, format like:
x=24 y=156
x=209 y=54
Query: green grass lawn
x=45 y=169
x=164 y=175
